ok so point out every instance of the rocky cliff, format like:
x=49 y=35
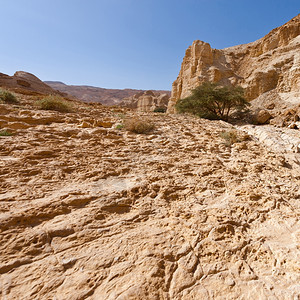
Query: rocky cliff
x=269 y=64
x=147 y=101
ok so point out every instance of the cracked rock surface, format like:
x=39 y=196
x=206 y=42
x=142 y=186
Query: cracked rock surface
x=92 y=212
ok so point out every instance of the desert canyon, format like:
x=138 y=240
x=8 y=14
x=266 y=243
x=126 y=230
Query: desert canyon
x=90 y=210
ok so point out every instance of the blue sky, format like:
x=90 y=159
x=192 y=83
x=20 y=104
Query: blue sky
x=126 y=43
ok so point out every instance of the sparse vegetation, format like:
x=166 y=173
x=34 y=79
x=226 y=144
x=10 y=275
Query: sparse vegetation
x=120 y=126
x=5 y=132
x=122 y=116
x=230 y=137
x=137 y=125
x=8 y=97
x=160 y=110
x=212 y=101
x=53 y=102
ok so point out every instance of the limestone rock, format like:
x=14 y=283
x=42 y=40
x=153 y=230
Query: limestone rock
x=88 y=212
x=271 y=63
x=262 y=116
x=147 y=101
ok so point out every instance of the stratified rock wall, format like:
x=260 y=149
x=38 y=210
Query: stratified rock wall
x=273 y=62
x=147 y=101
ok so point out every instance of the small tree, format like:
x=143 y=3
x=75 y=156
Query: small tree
x=212 y=101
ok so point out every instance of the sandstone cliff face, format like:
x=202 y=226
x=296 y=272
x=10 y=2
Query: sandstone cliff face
x=146 y=101
x=271 y=63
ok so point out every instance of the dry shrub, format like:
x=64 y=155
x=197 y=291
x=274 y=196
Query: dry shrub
x=138 y=125
x=53 y=102
x=230 y=137
x=8 y=97
x=5 y=132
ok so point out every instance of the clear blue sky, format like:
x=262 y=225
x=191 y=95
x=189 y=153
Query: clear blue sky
x=125 y=43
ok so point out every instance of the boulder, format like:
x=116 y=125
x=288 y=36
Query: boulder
x=262 y=116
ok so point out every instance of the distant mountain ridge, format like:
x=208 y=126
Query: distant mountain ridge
x=96 y=94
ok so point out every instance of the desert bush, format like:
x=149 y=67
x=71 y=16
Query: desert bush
x=160 y=110
x=53 y=102
x=8 y=97
x=230 y=137
x=5 y=132
x=137 y=125
x=121 y=116
x=120 y=126
x=212 y=101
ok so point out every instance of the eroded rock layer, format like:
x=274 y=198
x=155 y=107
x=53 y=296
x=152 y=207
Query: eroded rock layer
x=147 y=101
x=271 y=63
x=26 y=83
x=93 y=212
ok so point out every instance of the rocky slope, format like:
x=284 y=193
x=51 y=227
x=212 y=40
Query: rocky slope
x=92 y=212
x=147 y=101
x=269 y=64
x=26 y=83
x=95 y=94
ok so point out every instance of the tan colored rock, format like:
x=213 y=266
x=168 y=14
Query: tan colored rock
x=147 y=101
x=85 y=124
x=96 y=213
x=271 y=63
x=262 y=116
x=104 y=123
x=18 y=125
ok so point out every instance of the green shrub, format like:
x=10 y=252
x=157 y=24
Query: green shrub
x=212 y=101
x=120 y=126
x=8 y=97
x=5 y=132
x=230 y=137
x=137 y=125
x=53 y=102
x=160 y=110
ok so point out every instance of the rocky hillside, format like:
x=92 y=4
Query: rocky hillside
x=95 y=94
x=196 y=209
x=147 y=101
x=26 y=83
x=271 y=64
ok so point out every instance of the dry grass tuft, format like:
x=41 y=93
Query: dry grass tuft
x=230 y=137
x=137 y=125
x=8 y=97
x=5 y=132
x=53 y=102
